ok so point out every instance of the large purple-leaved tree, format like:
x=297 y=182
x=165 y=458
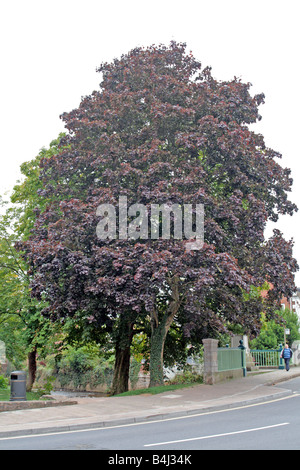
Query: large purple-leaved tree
x=161 y=130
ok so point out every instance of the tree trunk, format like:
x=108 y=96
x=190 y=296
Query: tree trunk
x=159 y=331
x=31 y=368
x=121 y=371
x=158 y=337
x=122 y=357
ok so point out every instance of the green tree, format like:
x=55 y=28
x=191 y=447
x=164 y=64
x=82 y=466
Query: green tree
x=17 y=306
x=28 y=197
x=272 y=332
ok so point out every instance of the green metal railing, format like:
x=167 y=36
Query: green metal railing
x=231 y=359
x=267 y=358
x=235 y=358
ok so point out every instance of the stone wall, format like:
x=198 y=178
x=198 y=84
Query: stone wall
x=29 y=405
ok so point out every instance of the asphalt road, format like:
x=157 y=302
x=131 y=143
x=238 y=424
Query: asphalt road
x=273 y=425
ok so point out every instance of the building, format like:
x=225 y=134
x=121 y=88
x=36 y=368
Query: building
x=293 y=303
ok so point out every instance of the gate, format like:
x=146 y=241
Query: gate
x=267 y=358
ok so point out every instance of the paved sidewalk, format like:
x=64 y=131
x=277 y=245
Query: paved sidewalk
x=91 y=412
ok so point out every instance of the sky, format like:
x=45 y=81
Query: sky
x=50 y=51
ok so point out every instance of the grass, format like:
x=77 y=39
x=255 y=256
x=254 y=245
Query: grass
x=158 y=389
x=5 y=395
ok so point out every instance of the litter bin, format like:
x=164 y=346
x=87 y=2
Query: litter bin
x=18 y=385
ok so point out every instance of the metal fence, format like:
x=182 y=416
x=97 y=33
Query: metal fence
x=230 y=359
x=266 y=358
x=235 y=358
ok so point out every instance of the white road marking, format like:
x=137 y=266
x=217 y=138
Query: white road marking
x=216 y=435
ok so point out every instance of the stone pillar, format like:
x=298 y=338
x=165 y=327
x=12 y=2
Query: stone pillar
x=235 y=342
x=3 y=361
x=210 y=360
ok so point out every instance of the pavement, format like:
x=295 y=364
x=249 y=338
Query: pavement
x=92 y=412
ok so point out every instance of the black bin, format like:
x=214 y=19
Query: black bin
x=18 y=385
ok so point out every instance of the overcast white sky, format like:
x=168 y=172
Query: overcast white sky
x=50 y=50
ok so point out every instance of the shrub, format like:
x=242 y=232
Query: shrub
x=186 y=376
x=3 y=383
x=83 y=366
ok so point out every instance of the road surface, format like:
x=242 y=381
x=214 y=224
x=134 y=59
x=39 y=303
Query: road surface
x=272 y=425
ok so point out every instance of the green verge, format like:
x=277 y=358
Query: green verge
x=158 y=389
x=5 y=395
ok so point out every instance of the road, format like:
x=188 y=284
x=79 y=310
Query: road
x=272 y=425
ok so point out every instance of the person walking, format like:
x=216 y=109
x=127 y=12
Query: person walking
x=287 y=354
